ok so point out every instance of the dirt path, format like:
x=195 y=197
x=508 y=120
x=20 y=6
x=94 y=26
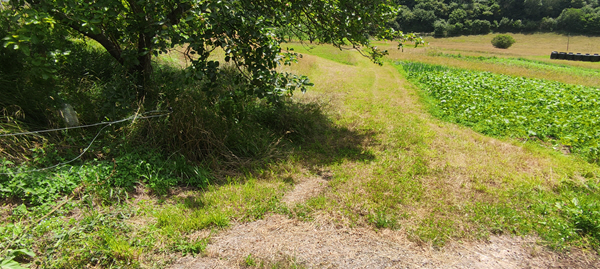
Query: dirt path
x=280 y=242
x=290 y=243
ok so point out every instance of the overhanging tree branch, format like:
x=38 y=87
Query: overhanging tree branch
x=111 y=47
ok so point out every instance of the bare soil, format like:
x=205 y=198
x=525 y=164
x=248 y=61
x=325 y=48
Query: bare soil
x=276 y=239
x=308 y=244
x=305 y=189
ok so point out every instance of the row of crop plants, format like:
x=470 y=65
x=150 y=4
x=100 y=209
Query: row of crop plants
x=565 y=115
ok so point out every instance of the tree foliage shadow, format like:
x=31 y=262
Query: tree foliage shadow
x=312 y=135
x=229 y=129
x=243 y=147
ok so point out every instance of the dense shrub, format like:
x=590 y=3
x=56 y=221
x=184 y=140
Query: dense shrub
x=509 y=25
x=548 y=24
x=503 y=41
x=571 y=20
x=440 y=28
x=479 y=27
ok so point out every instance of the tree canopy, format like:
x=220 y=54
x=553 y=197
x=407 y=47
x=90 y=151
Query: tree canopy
x=453 y=17
x=250 y=32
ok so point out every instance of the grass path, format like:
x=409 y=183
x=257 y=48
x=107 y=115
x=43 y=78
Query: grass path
x=399 y=184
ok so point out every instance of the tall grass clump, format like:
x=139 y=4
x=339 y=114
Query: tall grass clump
x=221 y=126
x=24 y=91
x=225 y=126
x=15 y=149
x=212 y=133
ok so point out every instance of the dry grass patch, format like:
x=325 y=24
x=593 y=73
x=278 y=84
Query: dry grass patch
x=279 y=242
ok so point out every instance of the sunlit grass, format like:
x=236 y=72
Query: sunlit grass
x=436 y=180
x=324 y=51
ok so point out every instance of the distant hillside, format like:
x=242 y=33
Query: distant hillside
x=471 y=17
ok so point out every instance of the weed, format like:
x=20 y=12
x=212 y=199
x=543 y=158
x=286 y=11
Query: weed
x=303 y=211
x=436 y=230
x=118 y=248
x=185 y=246
x=249 y=261
x=194 y=220
x=10 y=261
x=381 y=219
x=584 y=215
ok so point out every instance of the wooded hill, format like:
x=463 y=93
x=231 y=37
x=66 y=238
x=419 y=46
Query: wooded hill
x=471 y=17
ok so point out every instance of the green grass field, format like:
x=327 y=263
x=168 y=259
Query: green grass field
x=396 y=159
x=416 y=181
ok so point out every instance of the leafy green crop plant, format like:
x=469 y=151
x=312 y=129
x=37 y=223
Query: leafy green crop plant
x=500 y=105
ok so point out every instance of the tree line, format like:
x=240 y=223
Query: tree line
x=446 y=18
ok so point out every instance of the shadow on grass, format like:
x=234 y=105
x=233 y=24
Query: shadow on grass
x=311 y=135
x=242 y=136
x=336 y=145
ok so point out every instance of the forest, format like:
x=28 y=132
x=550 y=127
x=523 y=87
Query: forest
x=446 y=18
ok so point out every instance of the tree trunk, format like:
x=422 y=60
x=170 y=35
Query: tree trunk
x=143 y=69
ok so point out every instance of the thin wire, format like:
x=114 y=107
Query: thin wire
x=93 y=140
x=81 y=126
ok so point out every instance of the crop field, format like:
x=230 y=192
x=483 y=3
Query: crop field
x=528 y=57
x=500 y=105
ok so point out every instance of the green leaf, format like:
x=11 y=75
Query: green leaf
x=22 y=251
x=25 y=50
x=8 y=43
x=9 y=263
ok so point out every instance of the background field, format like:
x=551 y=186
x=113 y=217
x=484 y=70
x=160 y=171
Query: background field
x=535 y=47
